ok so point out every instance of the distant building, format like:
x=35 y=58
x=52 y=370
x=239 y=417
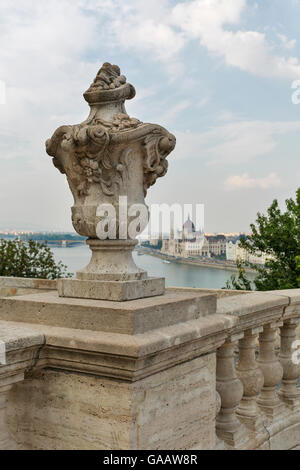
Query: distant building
x=217 y=245
x=235 y=252
x=188 y=243
x=231 y=251
x=189 y=230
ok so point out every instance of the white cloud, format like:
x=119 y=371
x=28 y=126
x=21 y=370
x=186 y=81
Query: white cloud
x=243 y=141
x=244 y=181
x=50 y=52
x=164 y=29
x=174 y=110
x=250 y=51
x=233 y=142
x=289 y=44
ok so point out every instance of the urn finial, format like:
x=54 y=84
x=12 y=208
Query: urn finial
x=109 y=85
x=109 y=157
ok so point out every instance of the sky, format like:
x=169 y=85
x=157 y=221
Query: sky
x=216 y=73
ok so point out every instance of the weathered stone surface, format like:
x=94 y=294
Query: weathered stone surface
x=16 y=336
x=10 y=286
x=252 y=379
x=126 y=356
x=27 y=283
x=284 y=434
x=248 y=304
x=221 y=293
x=132 y=317
x=111 y=290
x=292 y=294
x=173 y=409
x=287 y=439
x=19 y=348
x=146 y=374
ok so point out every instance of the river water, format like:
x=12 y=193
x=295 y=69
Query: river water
x=176 y=275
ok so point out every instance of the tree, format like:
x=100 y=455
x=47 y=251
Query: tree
x=276 y=234
x=31 y=259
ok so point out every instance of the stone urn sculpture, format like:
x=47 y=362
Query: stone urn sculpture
x=110 y=161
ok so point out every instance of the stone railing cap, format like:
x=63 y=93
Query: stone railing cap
x=250 y=303
x=292 y=294
x=18 y=337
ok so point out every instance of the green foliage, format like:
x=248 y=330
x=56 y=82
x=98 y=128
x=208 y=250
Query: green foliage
x=31 y=259
x=298 y=269
x=239 y=282
x=52 y=236
x=277 y=234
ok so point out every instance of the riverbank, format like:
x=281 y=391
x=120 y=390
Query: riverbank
x=223 y=265
x=187 y=275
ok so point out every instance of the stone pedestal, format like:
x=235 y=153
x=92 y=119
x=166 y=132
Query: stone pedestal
x=132 y=317
x=132 y=375
x=111 y=290
x=111 y=275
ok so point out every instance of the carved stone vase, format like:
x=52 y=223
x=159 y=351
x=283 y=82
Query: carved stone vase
x=109 y=158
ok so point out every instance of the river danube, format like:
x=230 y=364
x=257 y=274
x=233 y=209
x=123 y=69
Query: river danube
x=177 y=275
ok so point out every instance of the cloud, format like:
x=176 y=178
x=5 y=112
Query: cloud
x=244 y=181
x=163 y=29
x=208 y=21
x=52 y=50
x=233 y=142
x=44 y=65
x=289 y=44
x=174 y=110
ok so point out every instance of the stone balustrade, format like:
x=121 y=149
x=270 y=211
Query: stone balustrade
x=151 y=373
x=260 y=371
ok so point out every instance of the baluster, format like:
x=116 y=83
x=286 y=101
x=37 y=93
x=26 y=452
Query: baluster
x=272 y=369
x=219 y=442
x=252 y=378
x=289 y=392
x=6 y=440
x=230 y=388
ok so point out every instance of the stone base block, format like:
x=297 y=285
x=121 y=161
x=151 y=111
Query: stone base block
x=131 y=317
x=272 y=412
x=238 y=439
x=111 y=290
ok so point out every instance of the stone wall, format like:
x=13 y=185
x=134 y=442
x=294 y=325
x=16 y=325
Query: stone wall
x=173 y=409
x=79 y=383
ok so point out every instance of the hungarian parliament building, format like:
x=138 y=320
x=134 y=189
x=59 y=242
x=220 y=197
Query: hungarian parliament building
x=189 y=243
